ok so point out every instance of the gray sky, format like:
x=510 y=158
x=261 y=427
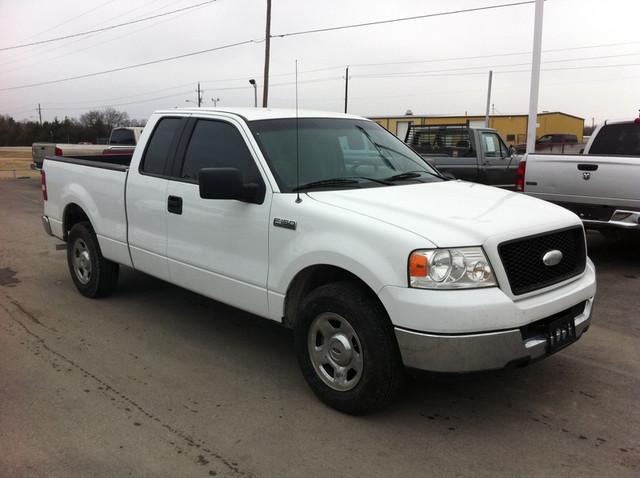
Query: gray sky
x=443 y=87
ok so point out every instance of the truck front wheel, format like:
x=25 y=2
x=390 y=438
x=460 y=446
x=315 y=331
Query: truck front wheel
x=93 y=275
x=347 y=350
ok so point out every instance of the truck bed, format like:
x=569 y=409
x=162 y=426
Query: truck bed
x=96 y=185
x=597 y=188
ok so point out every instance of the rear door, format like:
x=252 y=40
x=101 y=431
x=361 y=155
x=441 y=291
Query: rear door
x=146 y=198
x=219 y=248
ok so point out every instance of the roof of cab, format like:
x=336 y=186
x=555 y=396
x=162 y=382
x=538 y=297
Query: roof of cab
x=252 y=114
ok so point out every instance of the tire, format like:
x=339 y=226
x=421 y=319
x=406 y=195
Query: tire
x=93 y=275
x=342 y=325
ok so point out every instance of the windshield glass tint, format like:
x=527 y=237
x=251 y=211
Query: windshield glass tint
x=332 y=148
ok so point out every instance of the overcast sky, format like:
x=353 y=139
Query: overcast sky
x=429 y=76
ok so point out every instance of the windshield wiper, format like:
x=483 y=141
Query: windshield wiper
x=326 y=182
x=411 y=175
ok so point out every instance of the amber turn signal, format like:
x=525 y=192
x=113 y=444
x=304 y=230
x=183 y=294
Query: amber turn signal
x=418 y=265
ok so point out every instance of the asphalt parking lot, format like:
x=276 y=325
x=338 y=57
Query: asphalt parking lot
x=157 y=381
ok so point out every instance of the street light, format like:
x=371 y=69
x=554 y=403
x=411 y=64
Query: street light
x=255 y=92
x=215 y=101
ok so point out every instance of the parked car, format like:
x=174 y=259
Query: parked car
x=121 y=140
x=473 y=154
x=333 y=227
x=602 y=185
x=561 y=143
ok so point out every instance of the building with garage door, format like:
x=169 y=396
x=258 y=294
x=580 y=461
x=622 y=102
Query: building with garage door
x=512 y=128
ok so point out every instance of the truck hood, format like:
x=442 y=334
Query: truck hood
x=453 y=213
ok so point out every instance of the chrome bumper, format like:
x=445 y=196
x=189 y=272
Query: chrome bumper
x=620 y=218
x=475 y=352
x=46 y=225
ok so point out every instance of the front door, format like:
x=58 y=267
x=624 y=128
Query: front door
x=497 y=167
x=219 y=248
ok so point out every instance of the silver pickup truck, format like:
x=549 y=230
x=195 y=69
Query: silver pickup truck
x=602 y=185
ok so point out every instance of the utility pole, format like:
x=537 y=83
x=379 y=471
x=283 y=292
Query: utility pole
x=40 y=113
x=346 y=88
x=486 y=114
x=199 y=96
x=267 y=47
x=535 y=78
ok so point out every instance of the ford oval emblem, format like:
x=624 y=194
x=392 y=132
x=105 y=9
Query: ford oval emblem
x=552 y=258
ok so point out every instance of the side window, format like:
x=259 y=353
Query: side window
x=217 y=144
x=491 y=145
x=159 y=147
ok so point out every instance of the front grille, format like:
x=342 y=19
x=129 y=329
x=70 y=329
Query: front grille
x=522 y=259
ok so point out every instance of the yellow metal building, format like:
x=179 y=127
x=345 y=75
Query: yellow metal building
x=512 y=128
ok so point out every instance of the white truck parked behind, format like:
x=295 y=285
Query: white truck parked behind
x=601 y=185
x=333 y=227
x=120 y=141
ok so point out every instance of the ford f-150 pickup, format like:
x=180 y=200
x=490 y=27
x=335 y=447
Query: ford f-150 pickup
x=602 y=185
x=333 y=227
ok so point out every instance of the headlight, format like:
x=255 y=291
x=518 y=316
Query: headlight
x=460 y=268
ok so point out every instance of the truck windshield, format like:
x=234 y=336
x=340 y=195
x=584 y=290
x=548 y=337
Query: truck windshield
x=337 y=153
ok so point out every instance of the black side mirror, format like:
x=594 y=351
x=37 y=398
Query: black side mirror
x=220 y=183
x=227 y=183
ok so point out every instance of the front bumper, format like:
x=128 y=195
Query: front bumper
x=475 y=352
x=621 y=219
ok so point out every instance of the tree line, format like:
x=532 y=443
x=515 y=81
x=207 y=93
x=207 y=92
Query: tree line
x=92 y=127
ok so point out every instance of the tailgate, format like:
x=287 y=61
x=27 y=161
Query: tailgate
x=584 y=179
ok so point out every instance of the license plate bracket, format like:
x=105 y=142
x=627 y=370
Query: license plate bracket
x=560 y=333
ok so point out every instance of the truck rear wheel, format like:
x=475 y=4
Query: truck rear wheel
x=93 y=275
x=347 y=350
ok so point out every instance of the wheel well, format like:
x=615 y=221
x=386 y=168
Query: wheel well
x=73 y=214
x=311 y=278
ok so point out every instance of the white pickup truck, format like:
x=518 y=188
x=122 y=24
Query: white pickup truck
x=121 y=141
x=333 y=227
x=601 y=185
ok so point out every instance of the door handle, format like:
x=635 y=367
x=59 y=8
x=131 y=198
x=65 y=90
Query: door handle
x=587 y=167
x=174 y=204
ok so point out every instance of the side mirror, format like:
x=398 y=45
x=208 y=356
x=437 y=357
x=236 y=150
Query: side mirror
x=227 y=183
x=220 y=183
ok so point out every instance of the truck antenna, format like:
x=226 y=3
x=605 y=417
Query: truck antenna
x=298 y=200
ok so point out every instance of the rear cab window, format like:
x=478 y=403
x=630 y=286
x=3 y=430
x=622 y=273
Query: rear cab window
x=122 y=136
x=618 y=140
x=451 y=141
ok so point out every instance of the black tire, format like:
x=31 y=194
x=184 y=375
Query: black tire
x=102 y=276
x=382 y=372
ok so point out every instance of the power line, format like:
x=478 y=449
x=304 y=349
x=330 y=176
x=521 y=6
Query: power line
x=110 y=27
x=403 y=19
x=404 y=74
x=476 y=57
x=69 y=20
x=122 y=68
